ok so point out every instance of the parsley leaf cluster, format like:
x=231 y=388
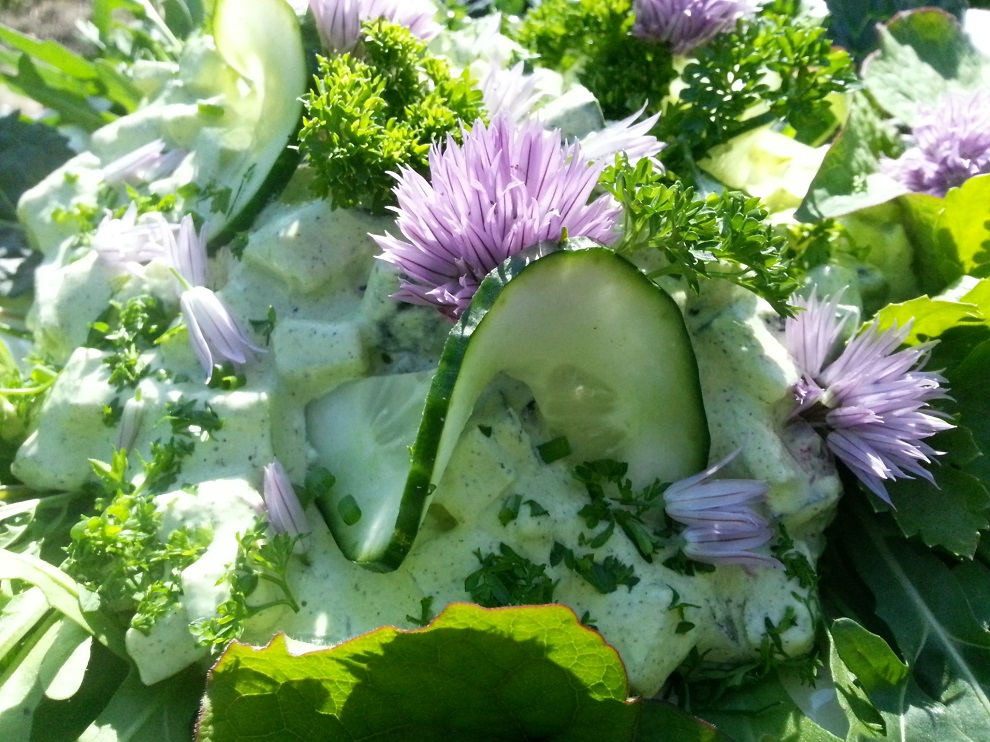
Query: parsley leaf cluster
x=119 y=552
x=379 y=109
x=591 y=39
x=126 y=329
x=722 y=235
x=777 y=67
x=262 y=557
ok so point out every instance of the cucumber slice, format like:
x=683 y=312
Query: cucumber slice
x=262 y=42
x=602 y=348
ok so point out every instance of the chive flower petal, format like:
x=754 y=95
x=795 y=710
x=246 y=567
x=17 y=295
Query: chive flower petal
x=132 y=239
x=723 y=524
x=339 y=21
x=285 y=512
x=215 y=334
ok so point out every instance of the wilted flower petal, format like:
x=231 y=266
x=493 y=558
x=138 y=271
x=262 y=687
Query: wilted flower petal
x=870 y=402
x=627 y=136
x=507 y=187
x=339 y=21
x=187 y=253
x=131 y=239
x=511 y=92
x=723 y=523
x=950 y=144
x=144 y=164
x=215 y=335
x=684 y=25
x=285 y=513
x=130 y=423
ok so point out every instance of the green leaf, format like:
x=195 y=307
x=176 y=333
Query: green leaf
x=869 y=658
x=932 y=624
x=163 y=712
x=848 y=180
x=504 y=674
x=28 y=152
x=763 y=712
x=953 y=514
x=61 y=592
x=923 y=54
x=964 y=225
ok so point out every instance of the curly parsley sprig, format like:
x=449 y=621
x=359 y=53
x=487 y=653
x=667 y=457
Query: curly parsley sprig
x=721 y=235
x=378 y=110
x=591 y=39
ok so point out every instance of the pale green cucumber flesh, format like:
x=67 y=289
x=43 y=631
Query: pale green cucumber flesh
x=262 y=41
x=595 y=340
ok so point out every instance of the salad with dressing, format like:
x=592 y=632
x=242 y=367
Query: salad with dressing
x=509 y=370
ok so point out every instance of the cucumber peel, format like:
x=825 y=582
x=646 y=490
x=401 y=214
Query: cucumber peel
x=603 y=350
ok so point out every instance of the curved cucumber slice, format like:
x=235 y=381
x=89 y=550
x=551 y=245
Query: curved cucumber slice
x=262 y=42
x=604 y=351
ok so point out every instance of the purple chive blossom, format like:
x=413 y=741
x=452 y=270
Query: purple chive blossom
x=132 y=239
x=146 y=163
x=627 y=136
x=216 y=336
x=339 y=21
x=950 y=143
x=507 y=187
x=870 y=399
x=285 y=513
x=723 y=525
x=684 y=25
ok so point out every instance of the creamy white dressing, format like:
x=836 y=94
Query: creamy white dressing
x=335 y=322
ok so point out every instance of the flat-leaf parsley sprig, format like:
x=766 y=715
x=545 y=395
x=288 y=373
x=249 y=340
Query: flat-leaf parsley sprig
x=778 y=67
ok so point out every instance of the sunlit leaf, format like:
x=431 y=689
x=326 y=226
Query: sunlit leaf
x=502 y=674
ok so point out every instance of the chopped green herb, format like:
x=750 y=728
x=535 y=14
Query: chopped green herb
x=796 y=564
x=112 y=412
x=426 y=613
x=190 y=417
x=605 y=576
x=507 y=578
x=615 y=502
x=350 y=511
x=535 y=509
x=685 y=566
x=265 y=327
x=510 y=510
x=554 y=449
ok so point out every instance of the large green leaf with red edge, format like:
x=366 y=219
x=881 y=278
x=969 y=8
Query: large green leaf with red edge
x=474 y=673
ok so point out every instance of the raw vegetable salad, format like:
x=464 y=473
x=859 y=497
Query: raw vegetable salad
x=505 y=370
